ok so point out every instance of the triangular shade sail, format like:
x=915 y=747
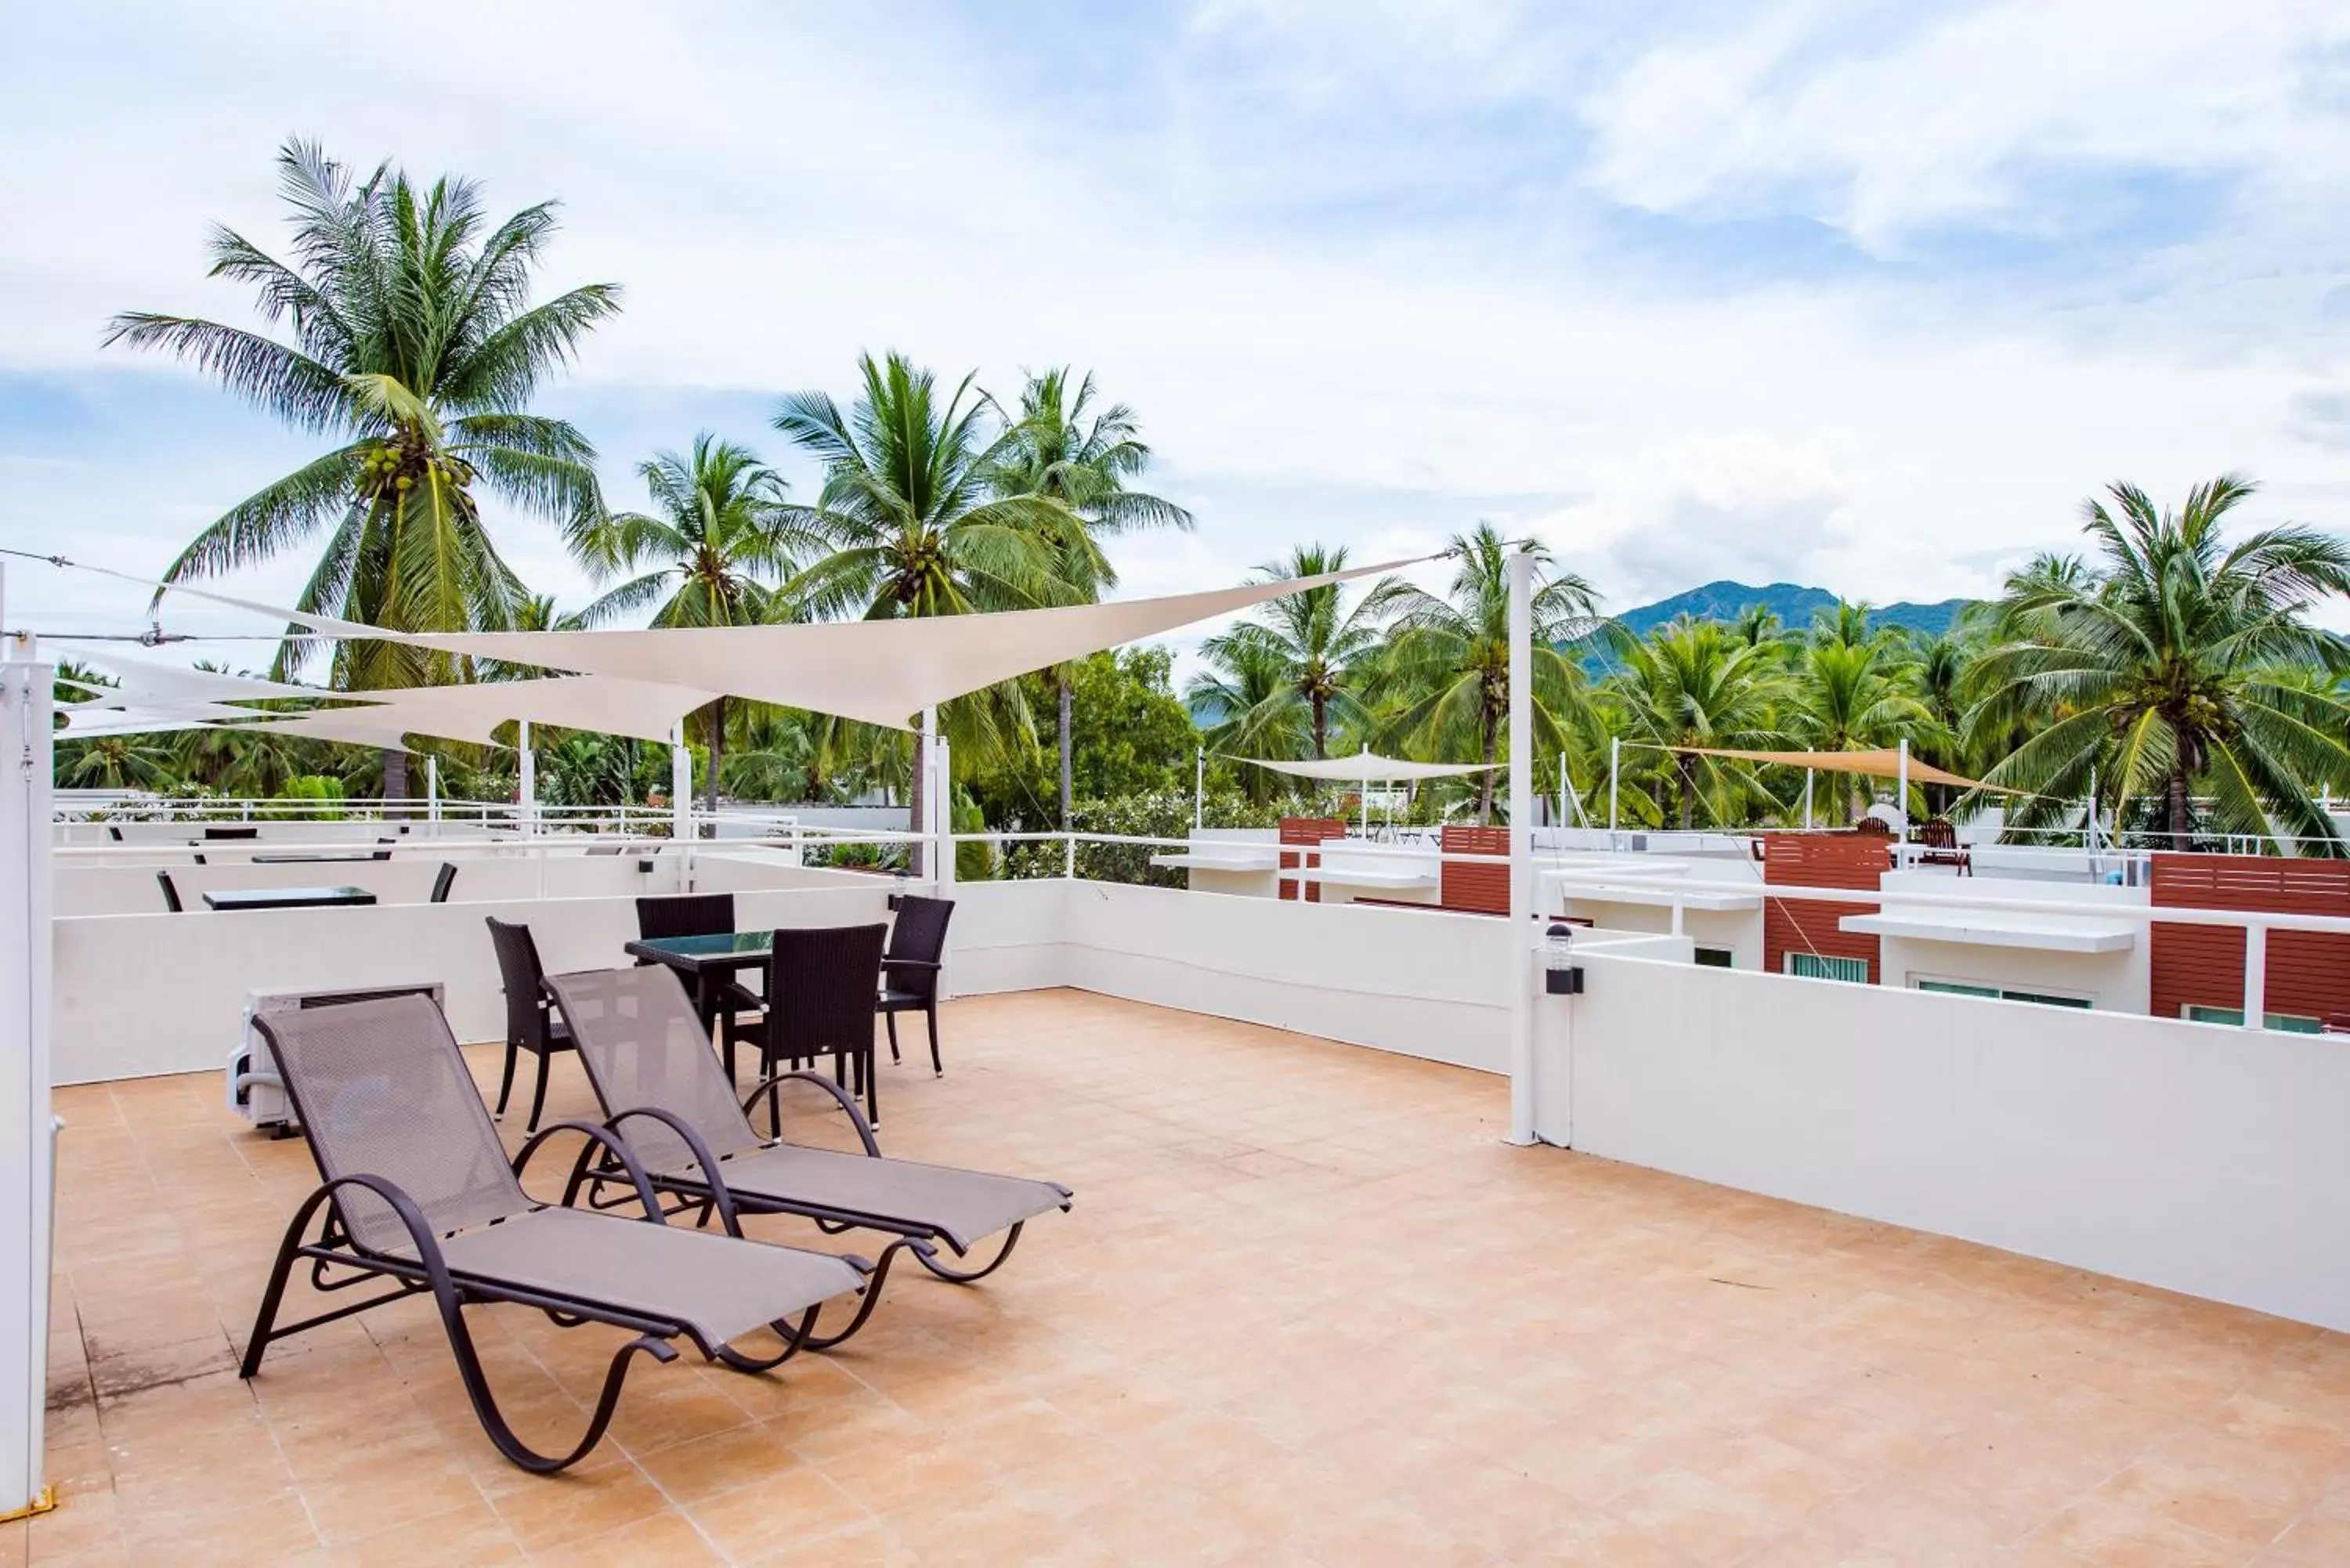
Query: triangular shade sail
x=84 y=721
x=643 y=709
x=1883 y=763
x=880 y=672
x=1370 y=765
x=150 y=684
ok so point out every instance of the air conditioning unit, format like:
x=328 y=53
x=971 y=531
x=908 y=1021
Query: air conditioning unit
x=255 y=1092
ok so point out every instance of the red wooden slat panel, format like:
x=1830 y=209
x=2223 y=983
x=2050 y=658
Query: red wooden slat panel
x=1811 y=925
x=1470 y=886
x=1306 y=830
x=2203 y=966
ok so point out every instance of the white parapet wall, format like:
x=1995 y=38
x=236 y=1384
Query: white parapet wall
x=1422 y=985
x=2194 y=1158
x=139 y=995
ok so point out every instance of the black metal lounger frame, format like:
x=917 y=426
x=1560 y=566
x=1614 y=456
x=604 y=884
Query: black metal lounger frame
x=714 y=1196
x=453 y=1291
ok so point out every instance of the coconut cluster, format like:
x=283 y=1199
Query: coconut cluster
x=390 y=470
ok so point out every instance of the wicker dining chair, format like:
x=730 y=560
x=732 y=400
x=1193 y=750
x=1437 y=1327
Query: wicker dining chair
x=823 y=985
x=531 y=1023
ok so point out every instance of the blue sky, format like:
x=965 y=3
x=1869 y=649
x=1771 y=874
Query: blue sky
x=1862 y=295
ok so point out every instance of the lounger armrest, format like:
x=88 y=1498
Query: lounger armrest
x=597 y=1136
x=847 y=1103
x=420 y=1231
x=721 y=1197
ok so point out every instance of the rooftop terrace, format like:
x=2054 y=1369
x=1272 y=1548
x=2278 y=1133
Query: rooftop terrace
x=1307 y=1309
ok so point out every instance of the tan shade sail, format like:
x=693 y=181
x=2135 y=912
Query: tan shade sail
x=1367 y=765
x=880 y=672
x=1883 y=763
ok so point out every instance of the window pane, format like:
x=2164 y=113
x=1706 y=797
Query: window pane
x=2289 y=1022
x=1815 y=966
x=2046 y=1001
x=1715 y=958
x=1955 y=988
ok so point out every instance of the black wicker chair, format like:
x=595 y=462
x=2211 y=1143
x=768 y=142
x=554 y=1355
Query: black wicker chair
x=171 y=893
x=910 y=970
x=825 y=982
x=440 y=883
x=699 y=915
x=531 y=1024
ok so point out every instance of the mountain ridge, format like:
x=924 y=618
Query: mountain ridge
x=1793 y=603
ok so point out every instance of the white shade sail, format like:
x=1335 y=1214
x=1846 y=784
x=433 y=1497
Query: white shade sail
x=83 y=722
x=880 y=672
x=146 y=683
x=647 y=710
x=1370 y=765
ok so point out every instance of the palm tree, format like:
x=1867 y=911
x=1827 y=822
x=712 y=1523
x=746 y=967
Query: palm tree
x=913 y=527
x=1085 y=463
x=1246 y=706
x=2168 y=666
x=414 y=345
x=1450 y=657
x=1695 y=683
x=1855 y=695
x=118 y=762
x=718 y=523
x=1309 y=654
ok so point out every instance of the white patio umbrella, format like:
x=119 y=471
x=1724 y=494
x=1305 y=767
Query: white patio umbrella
x=1366 y=766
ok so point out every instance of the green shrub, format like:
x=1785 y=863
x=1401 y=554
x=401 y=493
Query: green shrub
x=1141 y=816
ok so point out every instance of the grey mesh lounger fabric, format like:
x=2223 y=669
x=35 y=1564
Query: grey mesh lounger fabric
x=418 y=1191
x=644 y=1049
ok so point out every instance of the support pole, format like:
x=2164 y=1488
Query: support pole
x=432 y=789
x=2256 y=976
x=528 y=801
x=1901 y=805
x=942 y=814
x=1563 y=818
x=27 y=1142
x=1199 y=788
x=1809 y=773
x=1614 y=761
x=680 y=786
x=1520 y=970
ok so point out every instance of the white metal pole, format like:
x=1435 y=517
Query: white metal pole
x=680 y=786
x=1808 y=775
x=1520 y=970
x=1562 y=789
x=1199 y=788
x=432 y=789
x=1363 y=801
x=1614 y=761
x=943 y=814
x=529 y=802
x=28 y=1133
x=1901 y=805
x=2256 y=976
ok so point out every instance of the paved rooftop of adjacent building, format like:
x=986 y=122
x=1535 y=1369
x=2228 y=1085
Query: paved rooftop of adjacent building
x=1308 y=1309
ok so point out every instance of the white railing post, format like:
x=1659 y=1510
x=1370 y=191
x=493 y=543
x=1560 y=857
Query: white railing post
x=1520 y=970
x=1069 y=856
x=432 y=790
x=27 y=1132
x=2256 y=975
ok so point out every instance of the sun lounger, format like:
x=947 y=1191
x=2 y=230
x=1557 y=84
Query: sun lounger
x=418 y=1190
x=663 y=1091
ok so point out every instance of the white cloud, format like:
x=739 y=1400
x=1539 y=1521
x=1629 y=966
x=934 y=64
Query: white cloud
x=1884 y=121
x=780 y=189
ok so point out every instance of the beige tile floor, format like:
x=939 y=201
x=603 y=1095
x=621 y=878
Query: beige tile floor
x=1308 y=1310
